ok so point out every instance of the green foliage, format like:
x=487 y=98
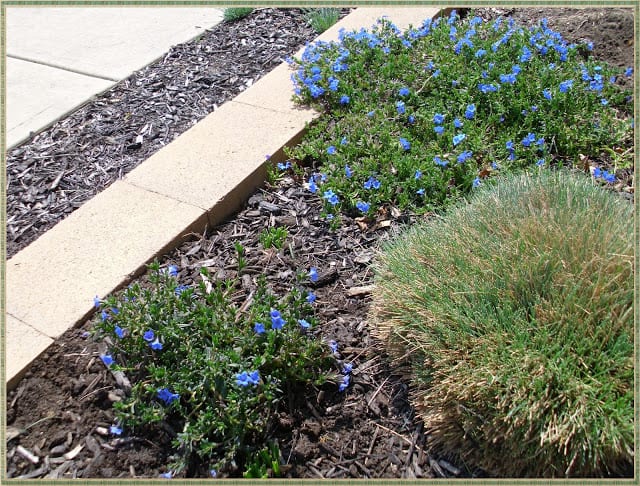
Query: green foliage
x=321 y=19
x=210 y=360
x=264 y=464
x=515 y=313
x=236 y=13
x=273 y=237
x=432 y=112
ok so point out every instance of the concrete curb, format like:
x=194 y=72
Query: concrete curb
x=201 y=178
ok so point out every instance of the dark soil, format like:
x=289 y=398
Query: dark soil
x=60 y=410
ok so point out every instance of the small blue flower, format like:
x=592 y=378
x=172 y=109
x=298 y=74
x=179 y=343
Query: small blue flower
x=540 y=162
x=404 y=91
x=438 y=119
x=515 y=69
x=457 y=123
x=115 y=430
x=628 y=72
x=331 y=197
x=180 y=288
x=173 y=270
x=400 y=107
x=166 y=396
x=476 y=182
x=540 y=142
x=547 y=94
x=464 y=156
x=277 y=322
x=96 y=302
x=347 y=172
x=333 y=346
x=311 y=297
x=313 y=274
x=420 y=192
x=156 y=345
x=604 y=102
x=107 y=359
x=440 y=162
x=311 y=185
x=343 y=141
x=438 y=129
x=119 y=331
x=149 y=335
x=242 y=379
x=213 y=473
x=285 y=166
x=609 y=177
x=436 y=73
x=259 y=328
x=104 y=316
x=418 y=174
x=345 y=383
x=372 y=183
x=509 y=145
x=167 y=475
x=344 y=100
x=371 y=114
x=333 y=84
x=406 y=145
x=529 y=139
x=566 y=85
x=362 y=206
x=347 y=368
x=411 y=119
x=458 y=138
x=480 y=53
x=304 y=324
x=470 y=111
x=254 y=377
x=331 y=150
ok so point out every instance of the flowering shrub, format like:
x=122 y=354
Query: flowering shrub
x=211 y=361
x=435 y=110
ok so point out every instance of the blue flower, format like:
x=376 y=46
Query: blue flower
x=476 y=182
x=487 y=88
x=331 y=150
x=440 y=162
x=285 y=166
x=566 y=85
x=96 y=302
x=526 y=54
x=167 y=475
x=371 y=113
x=347 y=368
x=372 y=183
x=331 y=197
x=438 y=119
x=400 y=107
x=344 y=100
x=311 y=185
x=508 y=78
x=464 y=156
x=213 y=473
x=470 y=112
x=259 y=328
x=347 y=172
x=457 y=123
x=156 y=345
x=345 y=383
x=277 y=322
x=404 y=91
x=115 y=430
x=609 y=177
x=333 y=346
x=516 y=69
x=411 y=119
x=254 y=377
x=405 y=143
x=166 y=396
x=420 y=192
x=119 y=332
x=362 y=206
x=333 y=83
x=597 y=172
x=418 y=174
x=540 y=142
x=304 y=324
x=104 y=316
x=429 y=66
x=547 y=94
x=604 y=102
x=343 y=141
x=436 y=73
x=313 y=274
x=311 y=297
x=458 y=138
x=439 y=130
x=480 y=53
x=529 y=139
x=107 y=359
x=173 y=270
x=628 y=72
x=149 y=335
x=242 y=379
x=509 y=145
x=540 y=162
x=180 y=288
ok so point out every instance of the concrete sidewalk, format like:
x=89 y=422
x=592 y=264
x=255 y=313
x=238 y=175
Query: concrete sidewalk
x=60 y=57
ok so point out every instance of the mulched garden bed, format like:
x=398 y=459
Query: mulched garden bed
x=60 y=413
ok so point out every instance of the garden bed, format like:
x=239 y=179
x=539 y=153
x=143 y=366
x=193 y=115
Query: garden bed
x=367 y=431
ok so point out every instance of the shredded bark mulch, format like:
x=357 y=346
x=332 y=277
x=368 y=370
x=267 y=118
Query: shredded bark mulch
x=59 y=415
x=61 y=168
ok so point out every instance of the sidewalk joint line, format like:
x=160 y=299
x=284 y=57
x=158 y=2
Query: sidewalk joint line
x=58 y=66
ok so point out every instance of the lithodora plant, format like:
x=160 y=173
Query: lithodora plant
x=212 y=361
x=418 y=119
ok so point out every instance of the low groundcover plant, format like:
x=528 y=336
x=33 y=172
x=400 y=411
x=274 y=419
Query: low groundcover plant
x=515 y=315
x=417 y=119
x=211 y=362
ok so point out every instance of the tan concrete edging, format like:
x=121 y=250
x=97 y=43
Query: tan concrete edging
x=200 y=178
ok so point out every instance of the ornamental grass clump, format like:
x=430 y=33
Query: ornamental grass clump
x=514 y=314
x=432 y=112
x=211 y=362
